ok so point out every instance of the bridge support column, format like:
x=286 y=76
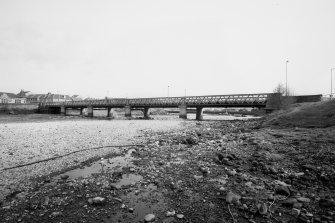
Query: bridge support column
x=199 y=115
x=127 y=111
x=81 y=111
x=109 y=114
x=146 y=112
x=90 y=111
x=183 y=111
x=62 y=110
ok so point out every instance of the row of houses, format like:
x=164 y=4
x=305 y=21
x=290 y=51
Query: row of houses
x=24 y=97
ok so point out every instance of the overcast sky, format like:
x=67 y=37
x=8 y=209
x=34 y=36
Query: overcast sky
x=121 y=48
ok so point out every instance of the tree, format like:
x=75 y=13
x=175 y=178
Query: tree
x=282 y=90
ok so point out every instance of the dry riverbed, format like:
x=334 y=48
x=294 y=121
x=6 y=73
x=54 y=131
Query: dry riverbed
x=222 y=171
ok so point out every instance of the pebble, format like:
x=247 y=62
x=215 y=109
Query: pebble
x=289 y=202
x=262 y=208
x=56 y=214
x=232 y=198
x=271 y=197
x=231 y=172
x=180 y=216
x=295 y=212
x=64 y=177
x=97 y=201
x=326 y=203
x=170 y=213
x=149 y=218
x=297 y=205
x=205 y=170
x=222 y=189
x=303 y=199
x=282 y=190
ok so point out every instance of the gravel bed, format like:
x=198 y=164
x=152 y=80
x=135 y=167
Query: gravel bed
x=22 y=143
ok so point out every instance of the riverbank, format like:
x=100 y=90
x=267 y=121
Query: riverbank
x=210 y=171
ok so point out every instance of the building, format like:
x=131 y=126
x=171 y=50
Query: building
x=35 y=98
x=24 y=97
x=55 y=98
x=10 y=98
x=76 y=98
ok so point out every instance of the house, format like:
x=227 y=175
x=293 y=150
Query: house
x=35 y=98
x=55 y=98
x=10 y=98
x=76 y=98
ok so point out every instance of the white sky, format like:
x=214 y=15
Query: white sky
x=123 y=48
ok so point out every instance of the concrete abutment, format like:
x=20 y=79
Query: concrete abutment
x=183 y=111
x=127 y=111
x=146 y=113
x=90 y=111
x=62 y=110
x=109 y=112
x=199 y=114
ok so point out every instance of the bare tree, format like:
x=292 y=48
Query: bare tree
x=282 y=90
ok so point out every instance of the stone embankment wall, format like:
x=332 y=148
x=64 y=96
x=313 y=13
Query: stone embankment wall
x=18 y=108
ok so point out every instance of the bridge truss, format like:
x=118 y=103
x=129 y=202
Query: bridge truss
x=233 y=100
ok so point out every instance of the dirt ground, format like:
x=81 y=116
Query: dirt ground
x=213 y=171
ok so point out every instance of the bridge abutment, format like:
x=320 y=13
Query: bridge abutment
x=90 y=111
x=127 y=111
x=199 y=114
x=183 y=111
x=146 y=113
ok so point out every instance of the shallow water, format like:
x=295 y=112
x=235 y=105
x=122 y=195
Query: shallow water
x=143 y=201
x=114 y=164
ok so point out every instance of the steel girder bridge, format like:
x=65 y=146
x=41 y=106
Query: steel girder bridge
x=268 y=101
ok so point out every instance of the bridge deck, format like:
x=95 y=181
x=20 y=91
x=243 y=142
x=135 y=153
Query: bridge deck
x=234 y=100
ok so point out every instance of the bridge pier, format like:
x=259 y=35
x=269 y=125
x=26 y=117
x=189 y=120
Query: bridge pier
x=183 y=111
x=109 y=114
x=146 y=113
x=90 y=111
x=199 y=113
x=62 y=110
x=127 y=111
x=81 y=111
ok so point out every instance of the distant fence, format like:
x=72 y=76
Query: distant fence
x=308 y=98
x=303 y=98
x=18 y=108
x=288 y=100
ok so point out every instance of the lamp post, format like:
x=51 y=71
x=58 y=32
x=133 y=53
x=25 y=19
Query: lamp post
x=331 y=83
x=286 y=78
x=168 y=91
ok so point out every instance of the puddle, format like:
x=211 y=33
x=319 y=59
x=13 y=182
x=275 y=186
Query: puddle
x=114 y=164
x=143 y=201
x=128 y=179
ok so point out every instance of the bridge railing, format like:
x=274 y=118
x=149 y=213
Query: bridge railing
x=217 y=100
x=202 y=100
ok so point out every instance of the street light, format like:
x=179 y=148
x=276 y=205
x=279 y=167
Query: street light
x=331 y=82
x=286 y=77
x=168 y=91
